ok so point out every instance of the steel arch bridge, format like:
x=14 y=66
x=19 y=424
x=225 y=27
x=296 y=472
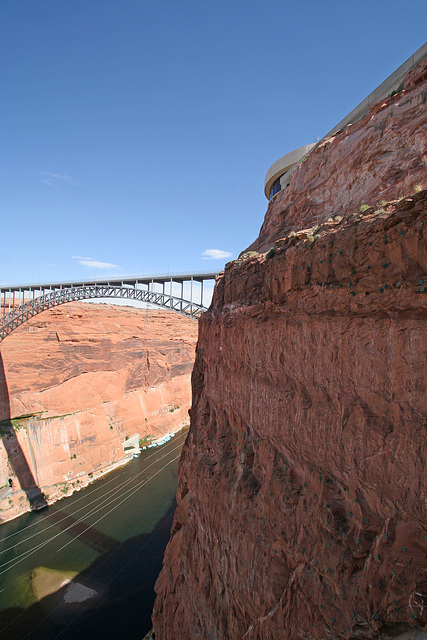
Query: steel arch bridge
x=182 y=293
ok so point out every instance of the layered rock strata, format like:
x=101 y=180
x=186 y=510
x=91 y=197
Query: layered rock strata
x=380 y=158
x=80 y=379
x=301 y=495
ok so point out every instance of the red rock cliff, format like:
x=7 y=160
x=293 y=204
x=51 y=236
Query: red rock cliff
x=302 y=484
x=81 y=378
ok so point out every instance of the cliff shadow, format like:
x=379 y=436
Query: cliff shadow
x=113 y=598
x=20 y=469
x=16 y=458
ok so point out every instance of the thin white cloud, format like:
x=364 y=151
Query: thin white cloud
x=81 y=258
x=95 y=264
x=215 y=254
x=53 y=178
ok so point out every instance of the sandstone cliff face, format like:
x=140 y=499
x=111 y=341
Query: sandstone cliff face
x=302 y=484
x=380 y=158
x=77 y=381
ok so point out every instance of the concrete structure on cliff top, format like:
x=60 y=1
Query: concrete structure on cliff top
x=300 y=508
x=278 y=175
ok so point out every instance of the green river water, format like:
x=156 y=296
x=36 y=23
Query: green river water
x=104 y=545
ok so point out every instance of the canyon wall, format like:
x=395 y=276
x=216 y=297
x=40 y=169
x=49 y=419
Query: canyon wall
x=302 y=484
x=76 y=382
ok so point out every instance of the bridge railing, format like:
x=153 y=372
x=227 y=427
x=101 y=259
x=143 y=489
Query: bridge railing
x=197 y=276
x=21 y=302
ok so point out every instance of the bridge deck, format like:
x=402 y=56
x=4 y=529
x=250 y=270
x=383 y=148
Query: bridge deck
x=122 y=280
x=19 y=303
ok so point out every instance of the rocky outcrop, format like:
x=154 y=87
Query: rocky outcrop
x=302 y=484
x=77 y=381
x=380 y=158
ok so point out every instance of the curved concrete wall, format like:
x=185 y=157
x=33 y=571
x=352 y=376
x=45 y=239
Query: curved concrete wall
x=288 y=162
x=382 y=91
x=283 y=165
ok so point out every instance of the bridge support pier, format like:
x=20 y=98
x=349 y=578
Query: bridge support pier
x=25 y=301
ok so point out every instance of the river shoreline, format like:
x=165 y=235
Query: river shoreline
x=15 y=503
x=100 y=550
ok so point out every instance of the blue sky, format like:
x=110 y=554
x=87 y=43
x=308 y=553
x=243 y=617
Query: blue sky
x=135 y=135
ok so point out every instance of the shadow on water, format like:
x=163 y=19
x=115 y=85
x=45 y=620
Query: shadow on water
x=121 y=583
x=121 y=580
x=87 y=534
x=17 y=460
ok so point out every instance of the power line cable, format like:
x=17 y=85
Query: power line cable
x=112 y=579
x=78 y=500
x=26 y=554
x=98 y=566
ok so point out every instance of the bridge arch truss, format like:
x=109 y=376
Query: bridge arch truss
x=183 y=294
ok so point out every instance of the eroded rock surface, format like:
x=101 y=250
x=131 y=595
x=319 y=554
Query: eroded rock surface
x=77 y=381
x=302 y=485
x=380 y=158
